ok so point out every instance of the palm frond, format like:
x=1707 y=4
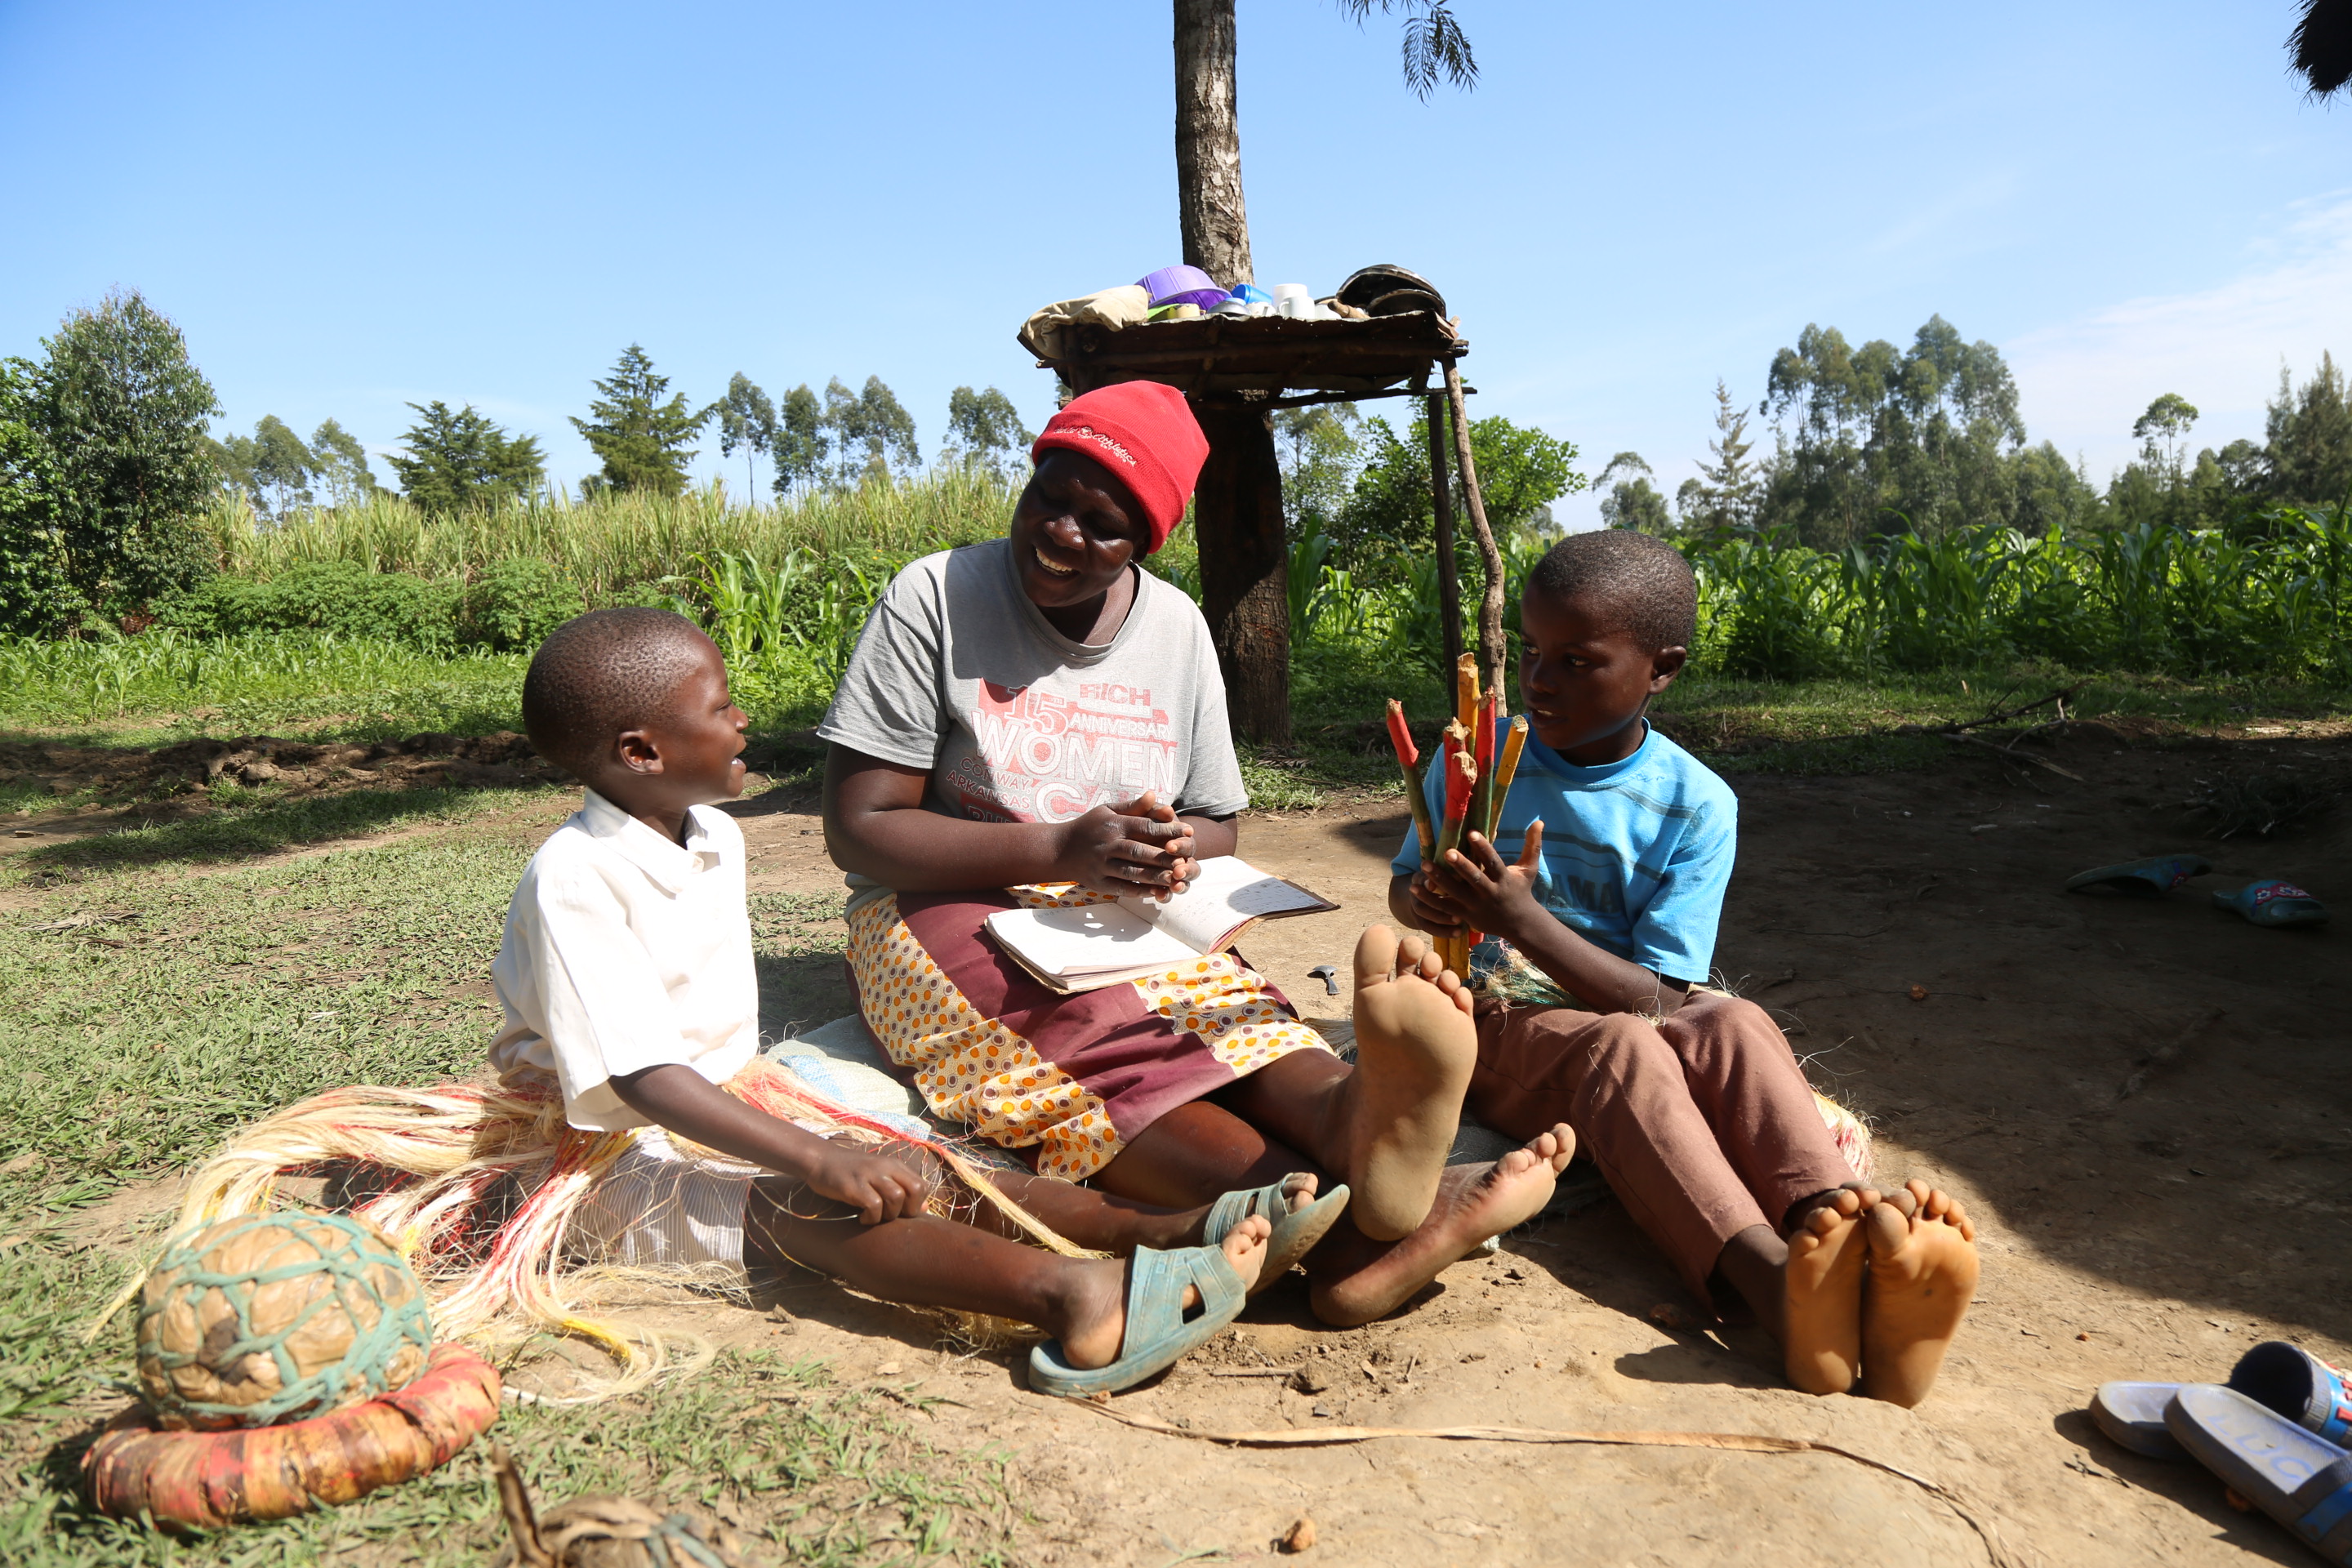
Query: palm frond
x=1435 y=43
x=2321 y=45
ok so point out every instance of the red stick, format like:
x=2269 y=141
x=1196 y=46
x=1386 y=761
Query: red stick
x=1400 y=737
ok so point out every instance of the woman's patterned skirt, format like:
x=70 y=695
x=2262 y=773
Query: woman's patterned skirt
x=1065 y=1081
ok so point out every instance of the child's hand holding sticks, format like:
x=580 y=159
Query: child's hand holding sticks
x=1477 y=759
x=1474 y=884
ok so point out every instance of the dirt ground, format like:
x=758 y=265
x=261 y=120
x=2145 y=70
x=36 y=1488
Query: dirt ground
x=2154 y=1236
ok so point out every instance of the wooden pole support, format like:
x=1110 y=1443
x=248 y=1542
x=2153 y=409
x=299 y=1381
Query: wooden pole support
x=1490 y=608
x=1449 y=580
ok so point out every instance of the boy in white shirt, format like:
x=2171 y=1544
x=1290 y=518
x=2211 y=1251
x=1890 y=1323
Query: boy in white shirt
x=626 y=976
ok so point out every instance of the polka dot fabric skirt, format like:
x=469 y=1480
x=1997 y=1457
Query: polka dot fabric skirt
x=1066 y=1081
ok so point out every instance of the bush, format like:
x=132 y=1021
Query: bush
x=339 y=596
x=513 y=604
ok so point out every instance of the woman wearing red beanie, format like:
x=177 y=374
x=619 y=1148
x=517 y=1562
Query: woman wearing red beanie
x=1037 y=721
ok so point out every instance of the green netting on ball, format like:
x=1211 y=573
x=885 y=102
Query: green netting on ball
x=362 y=1260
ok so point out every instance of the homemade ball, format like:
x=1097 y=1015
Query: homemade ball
x=270 y=1318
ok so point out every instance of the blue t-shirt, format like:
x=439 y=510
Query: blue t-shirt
x=1636 y=854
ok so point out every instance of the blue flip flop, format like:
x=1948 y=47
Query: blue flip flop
x=2149 y=879
x=1159 y=1331
x=2274 y=901
x=1294 y=1234
x=2301 y=1479
x=2274 y=1374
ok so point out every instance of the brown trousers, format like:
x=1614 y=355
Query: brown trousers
x=1703 y=1125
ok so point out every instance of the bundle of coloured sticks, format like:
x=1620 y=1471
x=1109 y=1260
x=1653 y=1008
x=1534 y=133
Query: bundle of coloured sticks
x=1478 y=774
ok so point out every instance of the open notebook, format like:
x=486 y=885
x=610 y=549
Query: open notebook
x=1095 y=945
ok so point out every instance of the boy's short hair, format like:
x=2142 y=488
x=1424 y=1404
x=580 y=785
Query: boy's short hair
x=599 y=674
x=1644 y=580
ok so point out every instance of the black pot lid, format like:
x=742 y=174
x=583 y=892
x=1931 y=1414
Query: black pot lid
x=1370 y=283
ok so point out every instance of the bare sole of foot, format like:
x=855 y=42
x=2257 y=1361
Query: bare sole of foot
x=1097 y=1329
x=1922 y=1276
x=1414 y=1049
x=1474 y=1203
x=1821 y=1341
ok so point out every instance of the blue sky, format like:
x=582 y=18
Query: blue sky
x=351 y=207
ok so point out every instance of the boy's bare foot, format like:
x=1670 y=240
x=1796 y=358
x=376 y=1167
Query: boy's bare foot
x=1474 y=1202
x=1922 y=1276
x=1400 y=1109
x=1820 y=1323
x=1094 y=1319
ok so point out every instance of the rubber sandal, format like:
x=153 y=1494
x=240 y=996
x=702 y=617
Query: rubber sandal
x=2274 y=1374
x=1294 y=1234
x=2274 y=901
x=1158 y=1332
x=2148 y=879
x=2132 y=1415
x=2302 y=1481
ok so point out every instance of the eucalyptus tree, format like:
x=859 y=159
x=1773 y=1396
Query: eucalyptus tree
x=985 y=430
x=747 y=421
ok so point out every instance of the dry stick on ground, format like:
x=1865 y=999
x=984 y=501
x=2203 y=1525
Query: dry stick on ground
x=2166 y=1055
x=1956 y=730
x=1993 y=715
x=2008 y=751
x=1733 y=1442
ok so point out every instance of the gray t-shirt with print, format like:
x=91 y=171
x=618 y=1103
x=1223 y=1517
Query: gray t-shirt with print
x=959 y=673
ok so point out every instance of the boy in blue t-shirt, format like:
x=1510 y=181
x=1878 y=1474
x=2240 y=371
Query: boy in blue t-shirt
x=1689 y=1100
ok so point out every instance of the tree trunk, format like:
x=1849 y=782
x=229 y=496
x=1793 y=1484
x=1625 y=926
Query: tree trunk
x=1238 y=511
x=1244 y=562
x=1449 y=579
x=1208 y=206
x=1490 y=605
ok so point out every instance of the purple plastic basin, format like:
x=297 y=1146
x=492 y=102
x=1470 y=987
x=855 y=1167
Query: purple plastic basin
x=1180 y=286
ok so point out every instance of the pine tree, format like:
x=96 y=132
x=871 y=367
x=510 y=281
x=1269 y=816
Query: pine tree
x=641 y=438
x=2309 y=453
x=1724 y=496
x=454 y=461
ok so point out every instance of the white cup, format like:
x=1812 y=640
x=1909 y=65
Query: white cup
x=1295 y=300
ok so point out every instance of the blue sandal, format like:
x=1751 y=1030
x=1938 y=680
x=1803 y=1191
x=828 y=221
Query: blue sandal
x=1294 y=1234
x=2302 y=1481
x=2274 y=901
x=1159 y=1331
x=2149 y=879
x=2274 y=1374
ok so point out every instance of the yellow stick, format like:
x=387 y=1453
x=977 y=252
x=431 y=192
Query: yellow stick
x=1513 y=744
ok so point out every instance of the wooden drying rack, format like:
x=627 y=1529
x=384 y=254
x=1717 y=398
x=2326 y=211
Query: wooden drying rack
x=1257 y=364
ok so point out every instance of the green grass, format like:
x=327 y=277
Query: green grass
x=164 y=686
x=193 y=1002
x=613 y=546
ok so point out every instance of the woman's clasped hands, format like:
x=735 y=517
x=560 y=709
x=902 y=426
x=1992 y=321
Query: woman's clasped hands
x=1142 y=848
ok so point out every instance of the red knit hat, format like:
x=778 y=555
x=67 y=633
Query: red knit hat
x=1145 y=434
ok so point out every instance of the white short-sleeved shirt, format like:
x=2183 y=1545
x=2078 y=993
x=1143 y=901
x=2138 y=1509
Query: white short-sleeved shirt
x=622 y=952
